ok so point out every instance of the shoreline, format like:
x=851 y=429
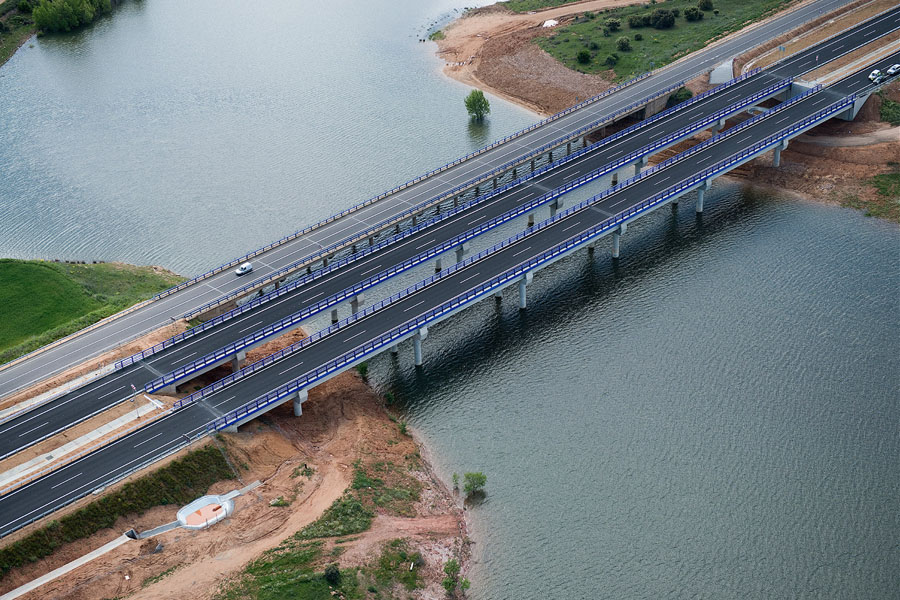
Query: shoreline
x=347 y=430
x=492 y=48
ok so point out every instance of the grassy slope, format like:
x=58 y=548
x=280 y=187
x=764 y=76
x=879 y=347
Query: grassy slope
x=658 y=46
x=43 y=301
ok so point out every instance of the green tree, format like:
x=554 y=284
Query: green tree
x=692 y=13
x=66 y=15
x=662 y=19
x=623 y=44
x=583 y=57
x=477 y=105
x=705 y=4
x=474 y=482
x=451 y=581
x=614 y=24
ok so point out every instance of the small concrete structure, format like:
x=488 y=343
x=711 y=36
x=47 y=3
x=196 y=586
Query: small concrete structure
x=204 y=512
x=722 y=72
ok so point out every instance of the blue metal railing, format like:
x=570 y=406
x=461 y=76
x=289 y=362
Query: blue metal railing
x=365 y=284
x=327 y=331
x=488 y=287
x=408 y=213
x=292 y=320
x=396 y=189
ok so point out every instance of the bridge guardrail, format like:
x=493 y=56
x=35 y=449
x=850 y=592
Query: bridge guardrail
x=402 y=186
x=512 y=274
x=234 y=347
x=328 y=330
x=419 y=207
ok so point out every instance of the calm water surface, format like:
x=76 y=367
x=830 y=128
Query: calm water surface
x=713 y=416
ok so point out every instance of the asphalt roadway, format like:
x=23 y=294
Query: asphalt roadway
x=93 y=471
x=160 y=312
x=69 y=409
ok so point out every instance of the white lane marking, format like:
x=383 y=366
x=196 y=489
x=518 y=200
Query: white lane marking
x=66 y=481
x=30 y=430
x=413 y=306
x=571 y=227
x=354 y=336
x=250 y=327
x=378 y=266
x=188 y=355
x=280 y=373
x=522 y=251
x=470 y=277
x=107 y=394
x=149 y=438
x=426 y=244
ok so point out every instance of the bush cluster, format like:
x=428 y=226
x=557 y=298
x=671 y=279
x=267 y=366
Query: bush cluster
x=178 y=483
x=65 y=15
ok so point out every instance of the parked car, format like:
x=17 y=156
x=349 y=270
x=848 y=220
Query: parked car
x=243 y=269
x=876 y=76
x=893 y=69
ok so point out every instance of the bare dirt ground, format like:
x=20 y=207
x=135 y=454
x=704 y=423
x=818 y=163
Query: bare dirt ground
x=342 y=421
x=495 y=48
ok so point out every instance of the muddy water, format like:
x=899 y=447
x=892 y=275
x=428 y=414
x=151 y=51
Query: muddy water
x=714 y=415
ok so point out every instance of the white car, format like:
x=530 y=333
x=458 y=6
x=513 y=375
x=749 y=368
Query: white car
x=243 y=269
x=876 y=76
x=893 y=69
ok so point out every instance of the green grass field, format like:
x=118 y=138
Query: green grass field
x=591 y=33
x=44 y=301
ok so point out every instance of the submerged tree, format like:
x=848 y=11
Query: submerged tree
x=477 y=105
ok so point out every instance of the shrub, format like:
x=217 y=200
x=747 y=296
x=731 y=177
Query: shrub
x=333 y=575
x=584 y=57
x=474 y=482
x=635 y=21
x=662 y=19
x=705 y=4
x=612 y=59
x=680 y=95
x=614 y=24
x=24 y=6
x=623 y=44
x=589 y=15
x=594 y=46
x=638 y=37
x=692 y=13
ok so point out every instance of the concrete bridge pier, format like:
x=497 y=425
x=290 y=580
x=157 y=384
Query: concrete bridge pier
x=334 y=316
x=555 y=206
x=461 y=251
x=614 y=181
x=356 y=301
x=237 y=362
x=530 y=219
x=301 y=397
x=495 y=183
x=395 y=349
x=371 y=241
x=590 y=248
x=437 y=266
x=701 y=192
x=514 y=173
x=781 y=146
x=640 y=165
x=718 y=125
x=617 y=235
x=417 y=345
x=532 y=165
x=568 y=148
x=523 y=293
x=550 y=155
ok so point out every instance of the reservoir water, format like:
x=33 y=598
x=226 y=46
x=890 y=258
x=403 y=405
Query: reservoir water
x=714 y=415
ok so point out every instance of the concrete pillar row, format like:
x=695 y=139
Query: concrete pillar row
x=523 y=285
x=417 y=345
x=301 y=397
x=616 y=238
